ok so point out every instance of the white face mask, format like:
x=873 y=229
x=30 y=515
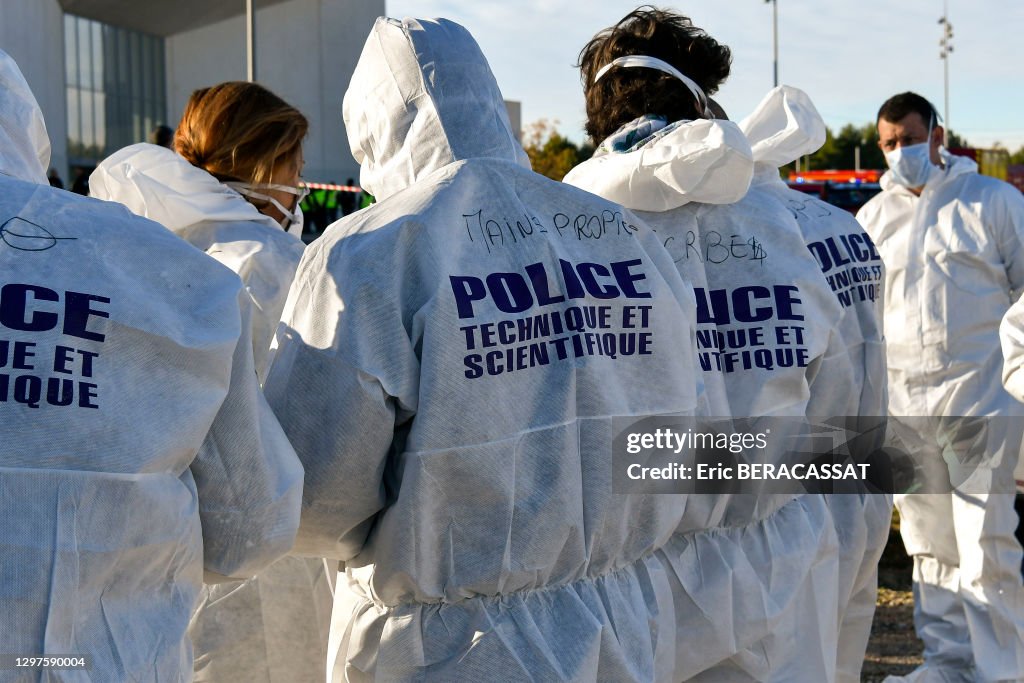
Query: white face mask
x=297 y=222
x=291 y=218
x=910 y=166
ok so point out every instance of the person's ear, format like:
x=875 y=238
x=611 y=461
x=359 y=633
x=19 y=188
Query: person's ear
x=938 y=136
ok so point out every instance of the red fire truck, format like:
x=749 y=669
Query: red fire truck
x=846 y=189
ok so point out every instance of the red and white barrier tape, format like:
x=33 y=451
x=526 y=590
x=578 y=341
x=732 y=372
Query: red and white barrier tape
x=329 y=186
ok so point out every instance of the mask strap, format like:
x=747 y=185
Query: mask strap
x=638 y=61
x=245 y=189
x=299 y=191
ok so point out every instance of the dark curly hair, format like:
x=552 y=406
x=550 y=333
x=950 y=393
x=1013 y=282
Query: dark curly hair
x=625 y=94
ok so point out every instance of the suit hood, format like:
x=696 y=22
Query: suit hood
x=422 y=96
x=783 y=127
x=707 y=161
x=24 y=144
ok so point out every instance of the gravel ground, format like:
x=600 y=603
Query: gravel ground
x=894 y=647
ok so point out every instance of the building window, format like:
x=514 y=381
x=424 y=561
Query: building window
x=116 y=89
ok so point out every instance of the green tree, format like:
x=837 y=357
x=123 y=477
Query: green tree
x=827 y=155
x=871 y=155
x=840 y=151
x=1018 y=156
x=954 y=140
x=552 y=154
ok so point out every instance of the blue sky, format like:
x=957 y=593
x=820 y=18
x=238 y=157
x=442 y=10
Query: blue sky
x=849 y=55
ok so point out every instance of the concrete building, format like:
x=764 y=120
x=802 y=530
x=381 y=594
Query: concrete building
x=106 y=72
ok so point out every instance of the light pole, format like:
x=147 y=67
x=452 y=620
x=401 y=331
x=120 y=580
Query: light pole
x=775 y=42
x=945 y=48
x=775 y=53
x=250 y=41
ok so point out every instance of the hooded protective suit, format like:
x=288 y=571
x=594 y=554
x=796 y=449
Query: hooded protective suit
x=783 y=127
x=1011 y=338
x=954 y=255
x=463 y=471
x=24 y=144
x=272 y=627
x=745 y=569
x=137 y=448
x=159 y=184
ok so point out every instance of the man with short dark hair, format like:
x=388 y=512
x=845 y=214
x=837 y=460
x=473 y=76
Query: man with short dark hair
x=953 y=244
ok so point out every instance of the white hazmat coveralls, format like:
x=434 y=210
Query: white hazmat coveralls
x=274 y=626
x=753 y=575
x=1011 y=338
x=161 y=185
x=462 y=467
x=137 y=447
x=783 y=127
x=953 y=257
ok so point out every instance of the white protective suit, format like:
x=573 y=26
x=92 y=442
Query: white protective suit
x=953 y=257
x=1011 y=338
x=161 y=185
x=137 y=448
x=783 y=127
x=272 y=627
x=753 y=575
x=457 y=434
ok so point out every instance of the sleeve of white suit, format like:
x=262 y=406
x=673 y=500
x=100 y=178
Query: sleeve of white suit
x=342 y=381
x=1004 y=214
x=248 y=478
x=1011 y=337
x=832 y=380
x=267 y=278
x=266 y=269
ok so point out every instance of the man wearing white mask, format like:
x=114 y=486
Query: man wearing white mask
x=953 y=245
